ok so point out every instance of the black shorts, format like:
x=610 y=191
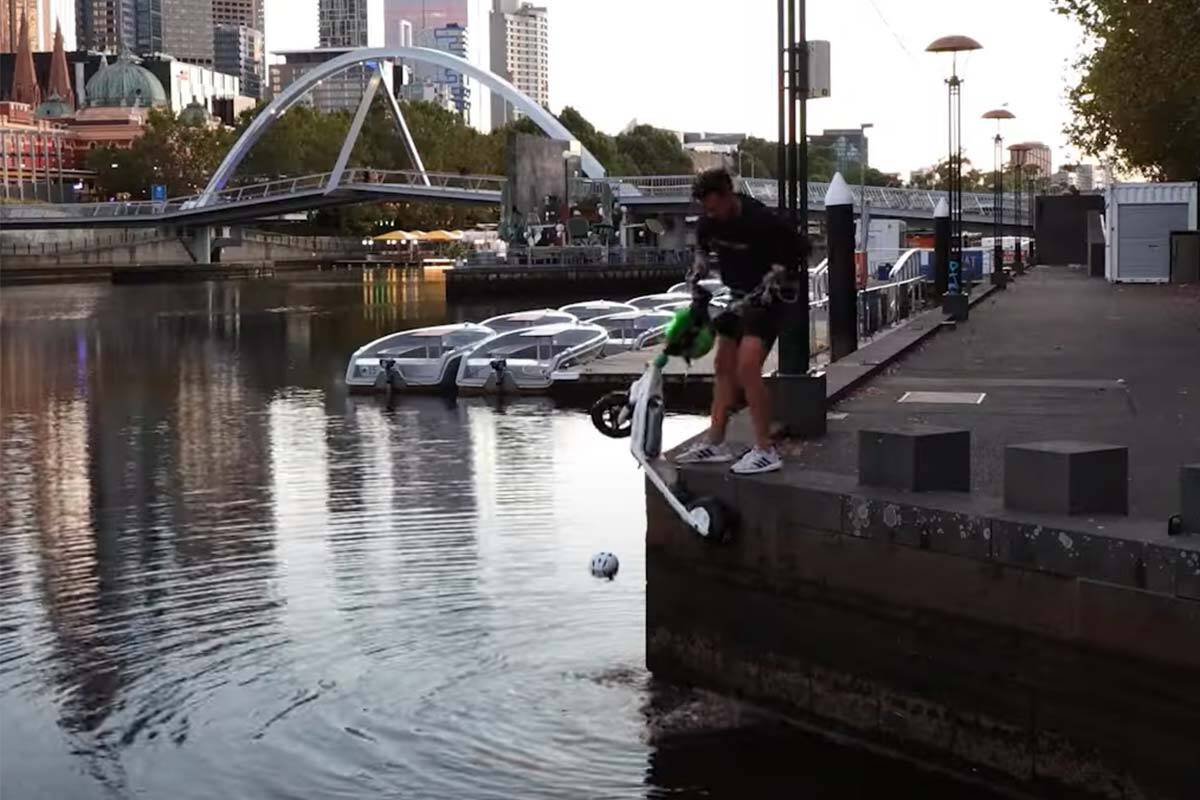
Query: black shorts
x=760 y=321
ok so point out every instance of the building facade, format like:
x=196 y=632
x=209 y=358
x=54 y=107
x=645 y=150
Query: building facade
x=341 y=92
x=460 y=27
x=187 y=31
x=849 y=146
x=239 y=51
x=106 y=25
x=520 y=54
x=37 y=13
x=240 y=12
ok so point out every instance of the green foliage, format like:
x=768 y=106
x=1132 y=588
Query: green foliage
x=653 y=151
x=180 y=156
x=939 y=177
x=1138 y=96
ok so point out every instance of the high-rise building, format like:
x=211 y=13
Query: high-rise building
x=38 y=15
x=105 y=25
x=343 y=23
x=520 y=53
x=238 y=51
x=463 y=26
x=148 y=23
x=240 y=12
x=187 y=30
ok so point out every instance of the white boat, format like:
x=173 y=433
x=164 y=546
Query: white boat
x=529 y=360
x=648 y=302
x=527 y=319
x=713 y=285
x=591 y=309
x=423 y=359
x=634 y=330
x=715 y=305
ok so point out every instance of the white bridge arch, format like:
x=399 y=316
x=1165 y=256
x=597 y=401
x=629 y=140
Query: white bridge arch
x=294 y=93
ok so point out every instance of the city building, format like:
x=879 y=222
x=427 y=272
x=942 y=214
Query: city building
x=184 y=82
x=106 y=26
x=520 y=54
x=849 y=146
x=1036 y=158
x=240 y=12
x=187 y=30
x=339 y=92
x=239 y=51
x=350 y=23
x=464 y=27
x=36 y=13
x=428 y=92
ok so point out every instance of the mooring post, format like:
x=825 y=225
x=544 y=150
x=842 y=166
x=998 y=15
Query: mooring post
x=843 y=286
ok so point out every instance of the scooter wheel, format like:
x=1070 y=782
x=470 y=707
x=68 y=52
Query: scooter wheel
x=611 y=415
x=712 y=520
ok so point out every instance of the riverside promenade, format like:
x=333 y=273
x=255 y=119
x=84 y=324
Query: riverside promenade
x=1042 y=650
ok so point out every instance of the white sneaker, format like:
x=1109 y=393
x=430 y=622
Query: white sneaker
x=757 y=461
x=703 y=452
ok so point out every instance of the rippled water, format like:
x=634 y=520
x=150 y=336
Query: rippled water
x=222 y=576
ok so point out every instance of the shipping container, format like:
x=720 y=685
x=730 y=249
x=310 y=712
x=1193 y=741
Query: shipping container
x=1139 y=221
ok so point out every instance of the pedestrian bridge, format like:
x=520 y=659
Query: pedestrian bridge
x=246 y=203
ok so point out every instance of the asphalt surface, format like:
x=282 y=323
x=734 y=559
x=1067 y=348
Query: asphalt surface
x=1056 y=356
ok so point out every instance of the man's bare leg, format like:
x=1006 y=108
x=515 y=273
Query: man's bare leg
x=751 y=354
x=725 y=387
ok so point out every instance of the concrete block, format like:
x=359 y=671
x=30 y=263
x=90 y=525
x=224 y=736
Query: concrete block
x=957 y=307
x=915 y=459
x=798 y=403
x=1065 y=477
x=1189 y=495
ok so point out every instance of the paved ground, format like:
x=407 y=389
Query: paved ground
x=1058 y=356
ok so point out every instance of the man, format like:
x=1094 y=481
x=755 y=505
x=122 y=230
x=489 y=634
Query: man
x=750 y=242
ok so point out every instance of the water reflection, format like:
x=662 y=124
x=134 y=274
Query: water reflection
x=219 y=574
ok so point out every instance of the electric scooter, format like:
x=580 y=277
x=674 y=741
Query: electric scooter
x=639 y=412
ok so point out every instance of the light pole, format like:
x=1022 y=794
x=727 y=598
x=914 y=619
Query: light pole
x=955 y=45
x=998 y=278
x=864 y=216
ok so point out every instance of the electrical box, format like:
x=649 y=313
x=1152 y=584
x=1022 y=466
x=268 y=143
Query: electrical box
x=818 y=69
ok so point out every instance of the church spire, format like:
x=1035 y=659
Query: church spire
x=25 y=86
x=60 y=81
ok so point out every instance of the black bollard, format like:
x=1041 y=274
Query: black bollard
x=843 y=286
x=941 y=248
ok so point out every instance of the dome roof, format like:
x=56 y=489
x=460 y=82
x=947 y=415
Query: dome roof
x=195 y=114
x=125 y=84
x=54 y=107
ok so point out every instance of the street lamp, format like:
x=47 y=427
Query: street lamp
x=954 y=45
x=998 y=114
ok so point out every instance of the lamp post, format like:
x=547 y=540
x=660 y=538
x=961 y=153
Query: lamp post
x=792 y=156
x=864 y=216
x=998 y=277
x=955 y=45
x=1017 y=154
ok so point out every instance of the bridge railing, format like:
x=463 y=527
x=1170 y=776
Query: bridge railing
x=766 y=190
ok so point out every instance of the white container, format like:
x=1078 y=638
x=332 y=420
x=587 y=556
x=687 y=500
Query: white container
x=1140 y=218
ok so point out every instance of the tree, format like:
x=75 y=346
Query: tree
x=653 y=151
x=939 y=177
x=181 y=157
x=1138 y=96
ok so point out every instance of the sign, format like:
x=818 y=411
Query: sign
x=158 y=193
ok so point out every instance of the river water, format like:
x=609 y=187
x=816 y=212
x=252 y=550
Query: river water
x=220 y=575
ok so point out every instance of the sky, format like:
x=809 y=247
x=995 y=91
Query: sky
x=710 y=65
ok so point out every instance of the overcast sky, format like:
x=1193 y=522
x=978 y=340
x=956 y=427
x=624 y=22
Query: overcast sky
x=710 y=65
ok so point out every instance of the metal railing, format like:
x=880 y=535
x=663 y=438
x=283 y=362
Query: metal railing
x=355 y=178
x=766 y=190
